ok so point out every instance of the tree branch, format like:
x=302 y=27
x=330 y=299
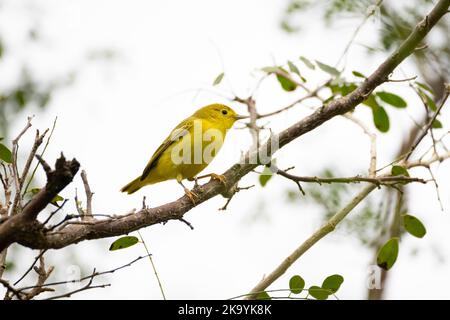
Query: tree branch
x=32 y=234
x=328 y=227
x=14 y=227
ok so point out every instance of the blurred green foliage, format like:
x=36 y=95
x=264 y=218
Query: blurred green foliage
x=395 y=18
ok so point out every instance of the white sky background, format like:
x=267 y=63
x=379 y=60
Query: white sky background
x=118 y=112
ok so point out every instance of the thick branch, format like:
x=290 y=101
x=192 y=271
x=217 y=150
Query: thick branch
x=13 y=228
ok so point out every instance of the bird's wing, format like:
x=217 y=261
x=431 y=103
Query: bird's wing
x=180 y=131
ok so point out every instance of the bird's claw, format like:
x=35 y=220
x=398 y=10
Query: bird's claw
x=191 y=195
x=219 y=177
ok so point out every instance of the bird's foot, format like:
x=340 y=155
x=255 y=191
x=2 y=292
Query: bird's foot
x=213 y=176
x=191 y=195
x=219 y=177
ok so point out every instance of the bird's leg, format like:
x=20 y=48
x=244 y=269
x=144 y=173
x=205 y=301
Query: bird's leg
x=191 y=195
x=195 y=179
x=214 y=176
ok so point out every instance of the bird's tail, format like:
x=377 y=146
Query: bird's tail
x=133 y=186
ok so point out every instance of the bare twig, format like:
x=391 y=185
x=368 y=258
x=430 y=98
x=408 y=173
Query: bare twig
x=187 y=223
x=403 y=80
x=378 y=181
x=43 y=275
x=90 y=276
x=428 y=126
x=14 y=164
x=41 y=155
x=11 y=290
x=89 y=194
x=436 y=187
x=89 y=286
x=358 y=29
x=153 y=265
x=41 y=253
x=231 y=193
x=373 y=143
x=252 y=125
x=3 y=255
x=312 y=94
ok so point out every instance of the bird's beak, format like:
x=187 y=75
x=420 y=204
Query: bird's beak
x=240 y=117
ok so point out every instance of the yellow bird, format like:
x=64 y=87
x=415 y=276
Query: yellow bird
x=189 y=148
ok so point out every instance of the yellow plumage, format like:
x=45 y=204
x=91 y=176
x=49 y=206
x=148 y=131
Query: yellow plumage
x=189 y=148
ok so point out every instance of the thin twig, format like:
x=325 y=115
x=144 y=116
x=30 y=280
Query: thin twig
x=436 y=187
x=312 y=94
x=16 y=176
x=187 y=223
x=89 y=194
x=402 y=80
x=357 y=30
x=41 y=253
x=373 y=143
x=43 y=275
x=25 y=190
x=378 y=181
x=92 y=275
x=428 y=126
x=55 y=212
x=153 y=265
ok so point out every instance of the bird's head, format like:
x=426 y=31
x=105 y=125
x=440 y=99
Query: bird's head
x=220 y=114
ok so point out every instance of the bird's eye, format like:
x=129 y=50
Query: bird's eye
x=224 y=112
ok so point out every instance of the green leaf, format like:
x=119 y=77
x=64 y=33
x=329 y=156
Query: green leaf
x=271 y=69
x=425 y=87
x=218 y=79
x=263 y=296
x=20 y=97
x=392 y=99
x=399 y=171
x=265 y=176
x=358 y=74
x=428 y=100
x=414 y=226
x=371 y=102
x=293 y=68
x=5 y=153
x=388 y=254
x=286 y=26
x=436 y=124
x=334 y=88
x=318 y=293
x=347 y=88
x=328 y=69
x=308 y=63
x=123 y=242
x=56 y=199
x=286 y=84
x=296 y=284
x=430 y=103
x=35 y=190
x=333 y=283
x=380 y=119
